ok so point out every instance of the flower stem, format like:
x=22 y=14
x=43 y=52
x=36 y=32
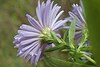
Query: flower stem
x=90 y=59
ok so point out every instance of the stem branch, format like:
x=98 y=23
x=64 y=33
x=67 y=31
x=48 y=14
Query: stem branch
x=90 y=59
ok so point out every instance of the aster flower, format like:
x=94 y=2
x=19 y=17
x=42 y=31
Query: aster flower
x=77 y=13
x=30 y=38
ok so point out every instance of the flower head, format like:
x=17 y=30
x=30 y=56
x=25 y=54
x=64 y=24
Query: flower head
x=77 y=13
x=29 y=38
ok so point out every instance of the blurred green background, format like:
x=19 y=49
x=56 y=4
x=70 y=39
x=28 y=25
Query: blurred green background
x=12 y=15
x=92 y=11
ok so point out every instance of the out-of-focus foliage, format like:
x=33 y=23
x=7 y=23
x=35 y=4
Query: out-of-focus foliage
x=54 y=62
x=92 y=10
x=12 y=15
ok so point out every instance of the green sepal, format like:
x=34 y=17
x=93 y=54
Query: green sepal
x=55 y=38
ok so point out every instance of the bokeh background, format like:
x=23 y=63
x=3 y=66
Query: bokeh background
x=12 y=15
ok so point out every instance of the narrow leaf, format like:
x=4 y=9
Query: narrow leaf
x=72 y=31
x=60 y=63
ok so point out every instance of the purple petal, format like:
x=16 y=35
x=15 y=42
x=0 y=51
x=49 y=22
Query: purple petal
x=78 y=11
x=34 y=50
x=46 y=13
x=28 y=51
x=27 y=33
x=29 y=28
x=57 y=18
x=39 y=12
x=33 y=22
x=28 y=58
x=38 y=56
x=32 y=60
x=59 y=24
x=50 y=46
x=53 y=13
x=24 y=42
x=79 y=23
x=29 y=46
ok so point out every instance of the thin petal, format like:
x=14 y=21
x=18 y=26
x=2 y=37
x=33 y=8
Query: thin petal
x=53 y=13
x=28 y=51
x=38 y=56
x=39 y=12
x=46 y=13
x=32 y=60
x=34 y=50
x=28 y=28
x=79 y=23
x=28 y=58
x=27 y=33
x=29 y=46
x=57 y=18
x=28 y=41
x=79 y=11
x=59 y=24
x=33 y=22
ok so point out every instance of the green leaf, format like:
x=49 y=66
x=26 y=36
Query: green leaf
x=54 y=62
x=84 y=38
x=65 y=36
x=87 y=48
x=72 y=31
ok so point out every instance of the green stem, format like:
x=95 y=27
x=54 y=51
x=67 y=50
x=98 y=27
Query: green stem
x=80 y=47
x=90 y=59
